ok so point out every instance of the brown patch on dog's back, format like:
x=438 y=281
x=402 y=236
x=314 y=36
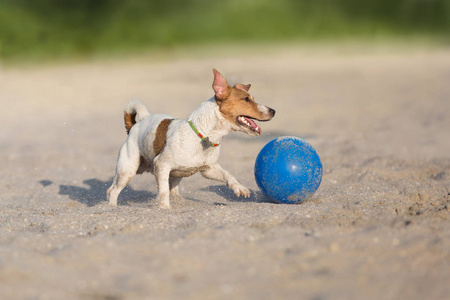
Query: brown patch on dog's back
x=161 y=135
x=130 y=120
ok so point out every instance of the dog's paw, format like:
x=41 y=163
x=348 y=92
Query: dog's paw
x=164 y=206
x=240 y=190
x=164 y=201
x=112 y=203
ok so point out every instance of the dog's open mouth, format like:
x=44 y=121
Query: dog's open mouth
x=249 y=123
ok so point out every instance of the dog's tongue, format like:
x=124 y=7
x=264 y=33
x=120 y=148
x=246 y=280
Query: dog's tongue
x=253 y=125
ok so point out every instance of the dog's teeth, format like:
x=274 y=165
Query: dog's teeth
x=244 y=121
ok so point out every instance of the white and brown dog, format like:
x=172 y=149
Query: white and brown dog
x=175 y=148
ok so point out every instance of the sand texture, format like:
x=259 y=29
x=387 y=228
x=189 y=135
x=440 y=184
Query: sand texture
x=377 y=228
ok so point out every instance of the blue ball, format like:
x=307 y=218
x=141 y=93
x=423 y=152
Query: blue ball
x=288 y=170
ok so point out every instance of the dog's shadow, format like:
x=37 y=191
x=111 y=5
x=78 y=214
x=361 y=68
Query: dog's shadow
x=95 y=193
x=226 y=193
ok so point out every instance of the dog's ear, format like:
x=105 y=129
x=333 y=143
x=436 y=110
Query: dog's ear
x=241 y=86
x=220 y=86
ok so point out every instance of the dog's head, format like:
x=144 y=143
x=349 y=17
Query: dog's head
x=239 y=107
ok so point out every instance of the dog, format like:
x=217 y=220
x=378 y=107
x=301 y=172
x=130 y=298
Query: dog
x=172 y=148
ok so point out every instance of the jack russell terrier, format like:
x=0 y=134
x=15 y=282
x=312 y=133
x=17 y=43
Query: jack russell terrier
x=172 y=148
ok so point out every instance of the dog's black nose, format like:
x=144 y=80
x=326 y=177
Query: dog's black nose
x=272 y=112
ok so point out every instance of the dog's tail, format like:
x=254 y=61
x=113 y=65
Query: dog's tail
x=135 y=111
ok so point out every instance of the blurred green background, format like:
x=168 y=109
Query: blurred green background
x=58 y=29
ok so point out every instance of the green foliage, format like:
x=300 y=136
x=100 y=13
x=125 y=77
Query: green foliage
x=67 y=28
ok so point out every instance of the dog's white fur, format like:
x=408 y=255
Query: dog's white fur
x=184 y=152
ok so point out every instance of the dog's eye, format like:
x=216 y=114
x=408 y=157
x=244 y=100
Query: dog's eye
x=247 y=99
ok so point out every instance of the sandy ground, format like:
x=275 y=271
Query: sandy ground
x=377 y=228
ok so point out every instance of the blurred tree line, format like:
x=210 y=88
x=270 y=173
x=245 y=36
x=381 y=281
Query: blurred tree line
x=66 y=28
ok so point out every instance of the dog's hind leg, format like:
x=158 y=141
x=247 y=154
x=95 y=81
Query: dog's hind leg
x=173 y=184
x=162 y=172
x=127 y=165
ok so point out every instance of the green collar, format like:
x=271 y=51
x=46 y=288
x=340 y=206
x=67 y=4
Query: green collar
x=206 y=139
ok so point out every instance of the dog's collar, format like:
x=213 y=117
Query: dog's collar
x=206 y=139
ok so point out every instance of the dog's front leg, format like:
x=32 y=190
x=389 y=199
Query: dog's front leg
x=216 y=172
x=162 y=172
